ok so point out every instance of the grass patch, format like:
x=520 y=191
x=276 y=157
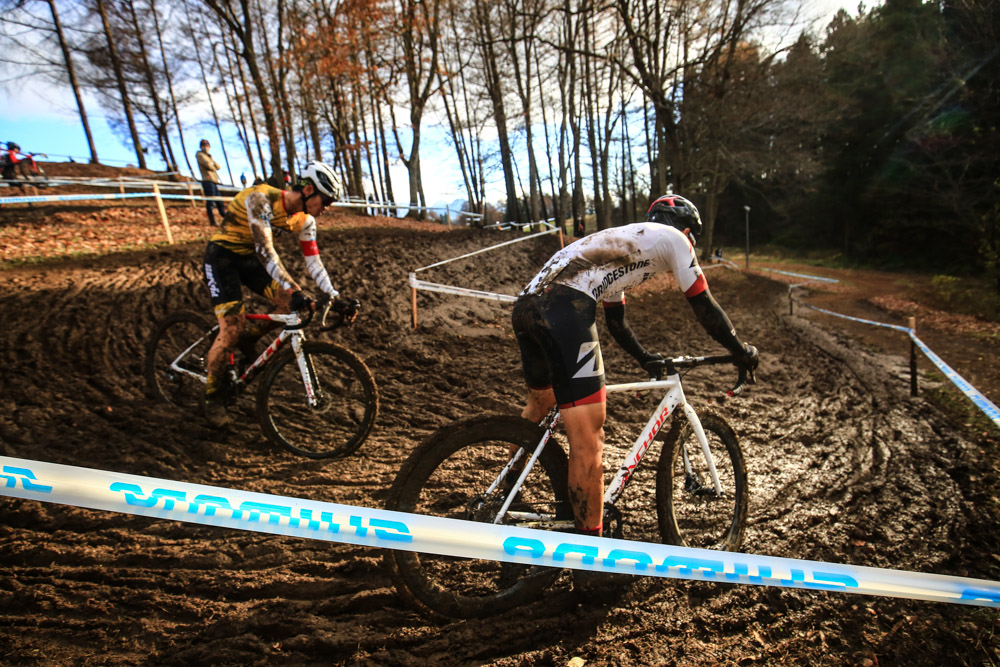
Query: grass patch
x=972 y=421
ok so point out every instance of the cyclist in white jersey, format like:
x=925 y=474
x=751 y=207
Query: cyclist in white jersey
x=554 y=321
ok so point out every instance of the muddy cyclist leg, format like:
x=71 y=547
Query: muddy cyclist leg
x=584 y=425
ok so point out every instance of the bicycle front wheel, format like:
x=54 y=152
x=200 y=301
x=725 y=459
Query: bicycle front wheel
x=347 y=402
x=690 y=511
x=450 y=475
x=175 y=358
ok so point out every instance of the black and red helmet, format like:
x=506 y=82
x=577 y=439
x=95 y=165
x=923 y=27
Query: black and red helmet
x=675 y=211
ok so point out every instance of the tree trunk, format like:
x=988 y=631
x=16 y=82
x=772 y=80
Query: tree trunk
x=170 y=88
x=161 y=123
x=120 y=77
x=71 y=71
x=208 y=93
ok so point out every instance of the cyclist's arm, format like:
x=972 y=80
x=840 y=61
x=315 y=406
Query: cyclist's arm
x=715 y=321
x=259 y=216
x=683 y=262
x=614 y=316
x=310 y=250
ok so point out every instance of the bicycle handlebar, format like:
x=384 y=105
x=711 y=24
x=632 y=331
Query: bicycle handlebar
x=670 y=367
x=323 y=306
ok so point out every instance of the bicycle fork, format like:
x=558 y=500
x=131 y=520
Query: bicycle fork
x=310 y=382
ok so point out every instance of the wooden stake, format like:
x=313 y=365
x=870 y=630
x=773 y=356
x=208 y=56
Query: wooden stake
x=562 y=242
x=163 y=213
x=413 y=305
x=913 y=359
x=191 y=194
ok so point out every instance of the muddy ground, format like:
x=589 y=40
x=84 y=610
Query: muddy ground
x=844 y=466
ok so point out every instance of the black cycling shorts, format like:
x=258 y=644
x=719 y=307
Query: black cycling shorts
x=225 y=274
x=557 y=333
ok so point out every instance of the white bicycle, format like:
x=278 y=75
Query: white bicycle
x=316 y=398
x=467 y=471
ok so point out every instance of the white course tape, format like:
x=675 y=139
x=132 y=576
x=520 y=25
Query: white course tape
x=49 y=198
x=482 y=250
x=459 y=291
x=803 y=275
x=230 y=508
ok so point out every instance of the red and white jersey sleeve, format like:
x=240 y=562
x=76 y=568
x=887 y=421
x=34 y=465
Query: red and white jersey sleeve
x=606 y=263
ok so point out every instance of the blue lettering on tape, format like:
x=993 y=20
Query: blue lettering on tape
x=587 y=554
x=642 y=560
x=395 y=531
x=26 y=477
x=981 y=594
x=208 y=502
x=687 y=564
x=257 y=512
x=523 y=546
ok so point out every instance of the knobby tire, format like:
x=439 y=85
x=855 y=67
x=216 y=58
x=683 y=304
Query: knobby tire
x=174 y=334
x=448 y=476
x=688 y=510
x=346 y=416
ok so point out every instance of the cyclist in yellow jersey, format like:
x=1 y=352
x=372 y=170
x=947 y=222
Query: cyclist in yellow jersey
x=242 y=253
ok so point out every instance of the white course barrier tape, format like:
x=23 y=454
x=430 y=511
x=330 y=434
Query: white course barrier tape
x=963 y=385
x=482 y=250
x=459 y=291
x=803 y=275
x=280 y=515
x=51 y=198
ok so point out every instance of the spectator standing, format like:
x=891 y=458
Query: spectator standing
x=210 y=181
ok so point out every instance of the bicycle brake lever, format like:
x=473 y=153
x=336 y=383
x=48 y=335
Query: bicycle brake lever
x=741 y=382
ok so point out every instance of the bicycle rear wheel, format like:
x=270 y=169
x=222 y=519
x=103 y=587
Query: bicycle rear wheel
x=348 y=402
x=173 y=335
x=449 y=475
x=689 y=510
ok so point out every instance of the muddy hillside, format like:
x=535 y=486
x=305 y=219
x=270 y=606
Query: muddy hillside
x=844 y=466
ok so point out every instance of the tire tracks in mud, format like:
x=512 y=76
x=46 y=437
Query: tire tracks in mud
x=843 y=466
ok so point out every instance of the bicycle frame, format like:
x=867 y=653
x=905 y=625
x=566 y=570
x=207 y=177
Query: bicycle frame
x=671 y=401
x=297 y=336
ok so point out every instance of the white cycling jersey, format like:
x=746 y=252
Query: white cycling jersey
x=606 y=263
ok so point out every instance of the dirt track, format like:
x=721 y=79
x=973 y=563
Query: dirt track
x=844 y=466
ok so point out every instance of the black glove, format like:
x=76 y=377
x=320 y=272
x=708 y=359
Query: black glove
x=348 y=308
x=651 y=362
x=749 y=358
x=300 y=301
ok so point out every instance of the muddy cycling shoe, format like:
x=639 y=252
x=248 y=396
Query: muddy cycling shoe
x=215 y=413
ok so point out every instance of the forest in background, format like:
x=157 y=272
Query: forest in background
x=875 y=135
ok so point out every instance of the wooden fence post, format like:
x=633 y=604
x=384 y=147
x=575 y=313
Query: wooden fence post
x=163 y=213
x=191 y=194
x=413 y=305
x=913 y=358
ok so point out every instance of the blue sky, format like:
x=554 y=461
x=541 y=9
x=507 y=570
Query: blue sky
x=44 y=119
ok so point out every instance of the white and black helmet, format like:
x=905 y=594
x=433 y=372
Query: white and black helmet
x=324 y=179
x=675 y=211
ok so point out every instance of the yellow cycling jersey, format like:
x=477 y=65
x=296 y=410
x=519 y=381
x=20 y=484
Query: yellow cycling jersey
x=235 y=234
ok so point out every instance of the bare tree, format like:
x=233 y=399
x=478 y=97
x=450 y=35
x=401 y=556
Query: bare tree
x=237 y=16
x=122 y=89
